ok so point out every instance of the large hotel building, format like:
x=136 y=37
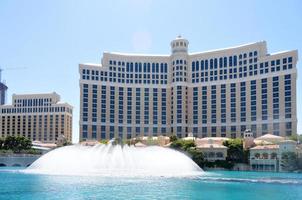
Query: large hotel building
x=39 y=117
x=214 y=93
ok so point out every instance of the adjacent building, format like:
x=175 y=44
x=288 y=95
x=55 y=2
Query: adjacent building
x=212 y=148
x=218 y=93
x=268 y=155
x=39 y=117
x=3 y=89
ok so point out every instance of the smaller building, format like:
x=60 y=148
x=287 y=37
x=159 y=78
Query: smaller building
x=267 y=155
x=213 y=152
x=264 y=158
x=212 y=148
x=38 y=117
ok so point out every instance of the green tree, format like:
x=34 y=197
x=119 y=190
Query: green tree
x=296 y=138
x=1 y=143
x=289 y=161
x=235 y=152
x=183 y=145
x=196 y=156
x=173 y=138
x=300 y=163
x=16 y=144
x=151 y=142
x=66 y=143
x=10 y=143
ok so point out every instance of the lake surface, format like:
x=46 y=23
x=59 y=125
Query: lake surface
x=211 y=185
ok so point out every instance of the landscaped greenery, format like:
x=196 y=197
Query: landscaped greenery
x=16 y=144
x=289 y=161
x=219 y=164
x=189 y=147
x=66 y=143
x=236 y=153
x=183 y=145
x=173 y=138
x=296 y=138
x=103 y=141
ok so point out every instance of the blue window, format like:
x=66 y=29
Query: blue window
x=94 y=131
x=85 y=132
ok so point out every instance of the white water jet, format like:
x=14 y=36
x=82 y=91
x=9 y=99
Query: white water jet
x=115 y=160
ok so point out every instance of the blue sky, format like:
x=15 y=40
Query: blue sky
x=51 y=37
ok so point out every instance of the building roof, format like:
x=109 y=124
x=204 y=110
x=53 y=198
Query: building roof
x=210 y=140
x=266 y=147
x=44 y=145
x=211 y=146
x=262 y=142
x=270 y=136
x=139 y=144
x=214 y=139
x=89 y=143
x=37 y=95
x=188 y=138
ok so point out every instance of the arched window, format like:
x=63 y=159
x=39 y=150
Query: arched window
x=197 y=65
x=257 y=155
x=211 y=155
x=193 y=66
x=265 y=155
x=219 y=155
x=274 y=155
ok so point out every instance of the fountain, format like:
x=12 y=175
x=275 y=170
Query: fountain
x=115 y=160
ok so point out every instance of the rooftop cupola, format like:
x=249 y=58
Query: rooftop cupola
x=179 y=45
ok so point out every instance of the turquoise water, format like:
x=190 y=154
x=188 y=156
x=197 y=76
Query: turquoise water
x=213 y=185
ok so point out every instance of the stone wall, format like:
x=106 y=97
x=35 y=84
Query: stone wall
x=17 y=160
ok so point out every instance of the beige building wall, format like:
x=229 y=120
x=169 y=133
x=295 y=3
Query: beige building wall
x=39 y=117
x=179 y=81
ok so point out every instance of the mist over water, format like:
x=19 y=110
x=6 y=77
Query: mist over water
x=115 y=160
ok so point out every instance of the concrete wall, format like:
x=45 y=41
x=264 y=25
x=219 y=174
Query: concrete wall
x=17 y=160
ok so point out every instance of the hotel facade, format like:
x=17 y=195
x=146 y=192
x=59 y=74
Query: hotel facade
x=38 y=117
x=217 y=93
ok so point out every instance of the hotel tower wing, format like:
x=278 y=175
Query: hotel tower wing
x=214 y=93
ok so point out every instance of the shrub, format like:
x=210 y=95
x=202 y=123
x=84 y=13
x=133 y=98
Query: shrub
x=16 y=143
x=235 y=152
x=1 y=143
x=103 y=141
x=289 y=161
x=220 y=164
x=196 y=156
x=182 y=144
x=173 y=138
x=31 y=151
